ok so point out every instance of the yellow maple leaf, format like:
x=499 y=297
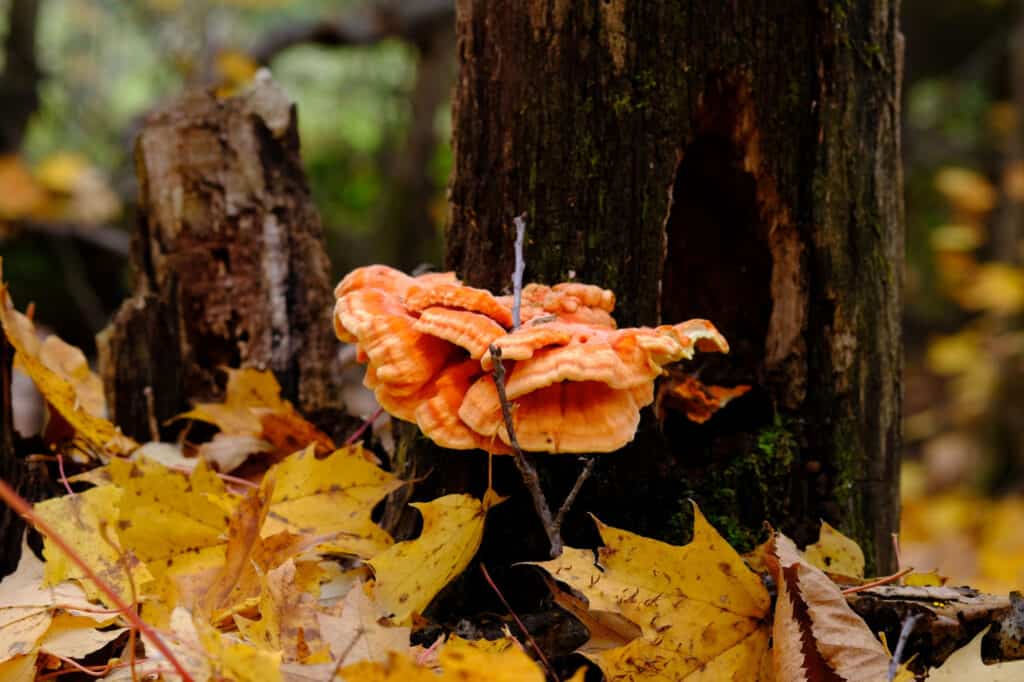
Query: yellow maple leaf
x=58 y=388
x=836 y=554
x=461 y=661
x=87 y=521
x=288 y=621
x=703 y=614
x=353 y=630
x=237 y=660
x=410 y=574
x=331 y=497
x=254 y=412
x=175 y=524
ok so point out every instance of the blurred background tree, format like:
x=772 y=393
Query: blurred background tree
x=373 y=83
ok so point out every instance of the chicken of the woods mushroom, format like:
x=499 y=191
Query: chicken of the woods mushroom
x=578 y=383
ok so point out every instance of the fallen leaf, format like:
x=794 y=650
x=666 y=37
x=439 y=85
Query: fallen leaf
x=410 y=574
x=835 y=639
x=76 y=637
x=19 y=669
x=288 y=623
x=21 y=628
x=356 y=632
x=87 y=521
x=333 y=496
x=836 y=554
x=460 y=661
x=253 y=408
x=697 y=401
x=702 y=612
x=966 y=664
x=59 y=391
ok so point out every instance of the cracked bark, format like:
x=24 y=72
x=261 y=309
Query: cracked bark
x=230 y=266
x=735 y=162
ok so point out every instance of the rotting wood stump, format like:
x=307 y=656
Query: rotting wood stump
x=229 y=260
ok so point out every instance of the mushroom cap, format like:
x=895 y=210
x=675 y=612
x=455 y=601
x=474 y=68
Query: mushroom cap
x=354 y=311
x=567 y=302
x=438 y=417
x=405 y=359
x=460 y=297
x=567 y=417
x=472 y=331
x=389 y=279
x=703 y=335
x=620 y=358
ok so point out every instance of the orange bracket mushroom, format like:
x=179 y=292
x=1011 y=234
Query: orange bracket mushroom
x=578 y=382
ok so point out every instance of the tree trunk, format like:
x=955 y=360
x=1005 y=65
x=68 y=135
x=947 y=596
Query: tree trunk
x=734 y=161
x=230 y=263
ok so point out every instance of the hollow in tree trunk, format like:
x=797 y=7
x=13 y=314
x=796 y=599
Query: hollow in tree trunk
x=732 y=161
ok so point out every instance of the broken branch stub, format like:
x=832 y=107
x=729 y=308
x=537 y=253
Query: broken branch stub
x=229 y=260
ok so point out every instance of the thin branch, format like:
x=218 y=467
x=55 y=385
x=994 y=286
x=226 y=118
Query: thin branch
x=517 y=274
x=588 y=468
x=526 y=469
x=526 y=633
x=365 y=425
x=895 y=577
x=897 y=655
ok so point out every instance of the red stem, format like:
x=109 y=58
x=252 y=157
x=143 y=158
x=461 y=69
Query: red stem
x=362 y=429
x=20 y=505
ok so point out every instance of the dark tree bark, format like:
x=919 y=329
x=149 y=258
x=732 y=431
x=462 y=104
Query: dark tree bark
x=19 y=80
x=734 y=161
x=230 y=263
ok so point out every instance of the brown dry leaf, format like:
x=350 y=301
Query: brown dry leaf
x=697 y=401
x=331 y=497
x=288 y=622
x=836 y=554
x=253 y=408
x=410 y=574
x=702 y=612
x=835 y=639
x=357 y=633
x=59 y=389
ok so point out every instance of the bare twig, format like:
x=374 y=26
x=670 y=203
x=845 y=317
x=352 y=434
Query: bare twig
x=344 y=654
x=526 y=633
x=365 y=425
x=526 y=469
x=154 y=426
x=517 y=274
x=588 y=468
x=897 y=655
x=895 y=577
